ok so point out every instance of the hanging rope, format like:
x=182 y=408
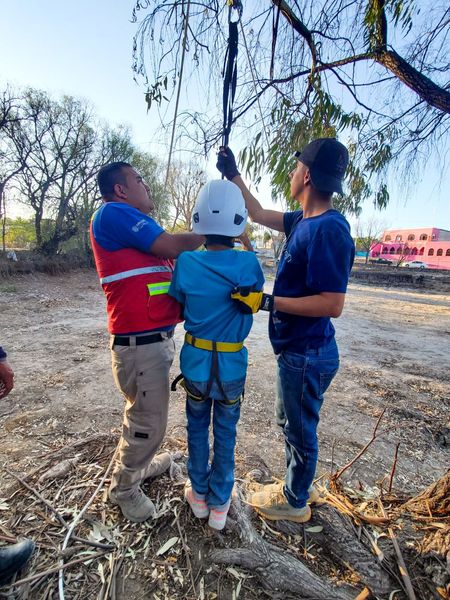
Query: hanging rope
x=186 y=22
x=230 y=70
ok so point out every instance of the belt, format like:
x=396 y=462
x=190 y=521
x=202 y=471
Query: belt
x=141 y=340
x=209 y=345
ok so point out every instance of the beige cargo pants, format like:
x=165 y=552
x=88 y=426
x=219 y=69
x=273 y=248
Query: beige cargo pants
x=142 y=374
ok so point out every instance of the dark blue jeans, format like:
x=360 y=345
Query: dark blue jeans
x=301 y=383
x=215 y=480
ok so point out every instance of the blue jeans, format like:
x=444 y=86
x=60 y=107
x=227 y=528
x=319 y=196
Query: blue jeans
x=301 y=383
x=214 y=480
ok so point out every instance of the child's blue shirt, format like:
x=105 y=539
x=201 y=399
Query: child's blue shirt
x=202 y=282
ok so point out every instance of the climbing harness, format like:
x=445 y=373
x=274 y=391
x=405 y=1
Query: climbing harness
x=215 y=348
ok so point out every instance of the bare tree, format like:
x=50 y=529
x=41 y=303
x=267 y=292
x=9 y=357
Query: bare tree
x=183 y=185
x=9 y=165
x=374 y=71
x=57 y=148
x=367 y=233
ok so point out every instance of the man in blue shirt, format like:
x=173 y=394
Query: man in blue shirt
x=309 y=289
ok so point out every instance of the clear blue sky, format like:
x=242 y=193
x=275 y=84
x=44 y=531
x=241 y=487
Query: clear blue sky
x=83 y=48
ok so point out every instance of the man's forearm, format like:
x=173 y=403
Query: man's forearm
x=319 y=305
x=189 y=241
x=252 y=204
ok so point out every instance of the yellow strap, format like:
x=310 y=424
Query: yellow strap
x=208 y=344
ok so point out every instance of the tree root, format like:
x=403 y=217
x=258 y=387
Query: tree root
x=279 y=571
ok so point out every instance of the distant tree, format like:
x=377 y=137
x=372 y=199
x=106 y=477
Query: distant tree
x=51 y=151
x=183 y=185
x=367 y=233
x=150 y=169
x=20 y=233
x=29 y=140
x=111 y=145
x=9 y=166
x=373 y=72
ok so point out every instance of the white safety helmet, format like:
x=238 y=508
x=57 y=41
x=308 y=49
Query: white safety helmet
x=219 y=210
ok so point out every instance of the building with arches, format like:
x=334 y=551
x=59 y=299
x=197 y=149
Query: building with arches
x=428 y=244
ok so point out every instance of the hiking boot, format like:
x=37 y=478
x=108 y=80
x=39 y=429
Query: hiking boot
x=273 y=505
x=314 y=494
x=134 y=504
x=196 y=502
x=159 y=465
x=13 y=558
x=218 y=516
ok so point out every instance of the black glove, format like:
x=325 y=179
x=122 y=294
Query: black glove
x=226 y=163
x=251 y=301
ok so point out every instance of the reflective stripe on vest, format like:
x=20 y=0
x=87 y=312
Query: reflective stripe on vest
x=158 y=288
x=133 y=273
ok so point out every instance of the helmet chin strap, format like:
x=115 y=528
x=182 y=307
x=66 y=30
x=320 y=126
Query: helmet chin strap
x=222 y=240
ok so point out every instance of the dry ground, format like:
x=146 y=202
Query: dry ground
x=395 y=348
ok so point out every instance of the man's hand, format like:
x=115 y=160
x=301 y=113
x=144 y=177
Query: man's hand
x=226 y=163
x=6 y=379
x=250 y=301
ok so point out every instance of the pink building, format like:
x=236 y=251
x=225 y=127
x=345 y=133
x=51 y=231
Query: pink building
x=429 y=245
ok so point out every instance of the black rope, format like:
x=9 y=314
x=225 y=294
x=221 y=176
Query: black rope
x=230 y=71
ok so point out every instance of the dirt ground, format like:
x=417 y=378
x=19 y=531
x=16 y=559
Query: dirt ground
x=394 y=344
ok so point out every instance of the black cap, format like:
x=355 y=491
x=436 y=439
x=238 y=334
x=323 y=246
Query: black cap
x=327 y=160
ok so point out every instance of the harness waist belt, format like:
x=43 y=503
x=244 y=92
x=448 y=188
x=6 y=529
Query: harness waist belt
x=209 y=345
x=141 y=340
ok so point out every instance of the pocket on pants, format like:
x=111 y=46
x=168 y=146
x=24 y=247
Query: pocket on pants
x=325 y=380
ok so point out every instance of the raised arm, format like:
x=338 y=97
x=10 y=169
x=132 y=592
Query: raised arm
x=269 y=218
x=226 y=163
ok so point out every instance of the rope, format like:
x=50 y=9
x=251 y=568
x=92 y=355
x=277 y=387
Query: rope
x=186 y=22
x=250 y=63
x=230 y=75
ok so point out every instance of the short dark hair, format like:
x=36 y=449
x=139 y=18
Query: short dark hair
x=108 y=176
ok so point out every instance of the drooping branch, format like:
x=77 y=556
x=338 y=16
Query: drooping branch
x=422 y=85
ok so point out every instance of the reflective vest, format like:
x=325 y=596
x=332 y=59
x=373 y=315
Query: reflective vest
x=136 y=286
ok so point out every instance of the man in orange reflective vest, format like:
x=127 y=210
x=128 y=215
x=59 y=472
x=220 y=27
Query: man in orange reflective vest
x=133 y=255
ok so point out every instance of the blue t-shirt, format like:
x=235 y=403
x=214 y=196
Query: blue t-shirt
x=202 y=283
x=317 y=257
x=117 y=225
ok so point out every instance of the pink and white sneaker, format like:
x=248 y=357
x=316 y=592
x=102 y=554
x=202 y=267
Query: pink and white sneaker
x=218 y=516
x=196 y=502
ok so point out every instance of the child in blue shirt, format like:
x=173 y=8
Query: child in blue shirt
x=213 y=358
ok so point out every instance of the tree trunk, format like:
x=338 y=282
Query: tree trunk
x=38 y=228
x=3 y=215
x=278 y=570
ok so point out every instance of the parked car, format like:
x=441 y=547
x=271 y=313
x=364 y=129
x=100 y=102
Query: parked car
x=380 y=261
x=416 y=264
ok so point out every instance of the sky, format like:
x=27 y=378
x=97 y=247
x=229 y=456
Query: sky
x=84 y=48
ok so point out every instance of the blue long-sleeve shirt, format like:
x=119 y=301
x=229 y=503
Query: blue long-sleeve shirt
x=2 y=354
